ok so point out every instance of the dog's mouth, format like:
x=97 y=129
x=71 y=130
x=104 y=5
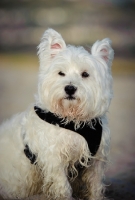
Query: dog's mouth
x=70 y=108
x=70 y=97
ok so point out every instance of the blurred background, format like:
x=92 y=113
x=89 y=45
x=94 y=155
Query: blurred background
x=23 y=22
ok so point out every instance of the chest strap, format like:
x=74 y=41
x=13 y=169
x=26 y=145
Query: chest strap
x=92 y=133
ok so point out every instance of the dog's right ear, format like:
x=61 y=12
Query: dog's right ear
x=51 y=44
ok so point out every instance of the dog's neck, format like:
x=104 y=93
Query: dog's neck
x=92 y=131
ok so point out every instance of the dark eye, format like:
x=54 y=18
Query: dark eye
x=61 y=73
x=85 y=75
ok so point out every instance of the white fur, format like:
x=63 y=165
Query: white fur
x=57 y=149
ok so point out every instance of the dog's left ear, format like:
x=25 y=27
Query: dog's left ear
x=104 y=50
x=51 y=44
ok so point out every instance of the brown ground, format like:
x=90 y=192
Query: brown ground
x=18 y=78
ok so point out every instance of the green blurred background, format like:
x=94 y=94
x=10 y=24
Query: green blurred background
x=23 y=22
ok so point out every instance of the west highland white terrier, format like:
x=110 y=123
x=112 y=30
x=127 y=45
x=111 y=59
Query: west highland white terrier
x=59 y=146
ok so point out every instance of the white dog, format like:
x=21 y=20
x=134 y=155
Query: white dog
x=59 y=146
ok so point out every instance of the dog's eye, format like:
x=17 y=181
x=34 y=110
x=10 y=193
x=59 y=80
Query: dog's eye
x=85 y=75
x=61 y=73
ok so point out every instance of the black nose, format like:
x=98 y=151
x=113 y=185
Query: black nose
x=70 y=89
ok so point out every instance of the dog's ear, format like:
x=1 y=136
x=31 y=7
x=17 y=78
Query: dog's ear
x=51 y=44
x=104 y=50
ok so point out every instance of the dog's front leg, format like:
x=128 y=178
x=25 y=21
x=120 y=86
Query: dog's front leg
x=92 y=179
x=55 y=184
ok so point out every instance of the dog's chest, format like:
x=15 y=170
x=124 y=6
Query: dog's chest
x=61 y=140
x=53 y=141
x=92 y=131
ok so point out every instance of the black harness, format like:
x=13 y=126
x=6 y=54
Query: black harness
x=92 y=133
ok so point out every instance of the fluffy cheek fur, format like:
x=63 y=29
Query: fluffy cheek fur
x=53 y=98
x=91 y=98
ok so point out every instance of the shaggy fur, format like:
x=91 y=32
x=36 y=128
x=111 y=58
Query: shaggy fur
x=59 y=151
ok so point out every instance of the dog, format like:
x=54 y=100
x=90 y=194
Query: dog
x=60 y=145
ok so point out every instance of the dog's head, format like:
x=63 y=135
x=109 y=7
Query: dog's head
x=74 y=83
